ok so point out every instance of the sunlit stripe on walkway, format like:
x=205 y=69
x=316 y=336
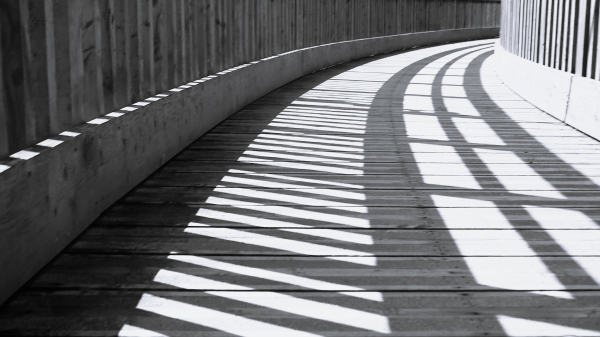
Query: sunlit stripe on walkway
x=214 y=319
x=319 y=122
x=309 y=138
x=309 y=145
x=328 y=94
x=326 y=104
x=448 y=162
x=293 y=212
x=291 y=199
x=453 y=80
x=453 y=90
x=520 y=327
x=306 y=151
x=417 y=103
x=133 y=331
x=294 y=246
x=302 y=158
x=328 y=111
x=530 y=183
x=304 y=188
x=302 y=166
x=349 y=86
x=477 y=243
x=477 y=133
x=320 y=117
x=424 y=127
x=323 y=116
x=423 y=79
x=419 y=89
x=321 y=96
x=315 y=128
x=359 y=116
x=575 y=242
x=282 y=302
x=286 y=226
x=462 y=106
x=306 y=180
x=280 y=277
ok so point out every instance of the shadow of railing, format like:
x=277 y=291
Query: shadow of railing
x=403 y=178
x=412 y=194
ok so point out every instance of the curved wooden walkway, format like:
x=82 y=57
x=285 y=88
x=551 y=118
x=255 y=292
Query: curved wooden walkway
x=410 y=194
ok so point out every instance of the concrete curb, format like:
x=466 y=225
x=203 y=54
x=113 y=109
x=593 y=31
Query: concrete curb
x=52 y=191
x=572 y=99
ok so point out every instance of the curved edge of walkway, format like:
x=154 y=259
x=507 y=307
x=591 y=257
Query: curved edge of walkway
x=52 y=191
x=570 y=98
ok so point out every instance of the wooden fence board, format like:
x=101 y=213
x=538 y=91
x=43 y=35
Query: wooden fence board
x=66 y=62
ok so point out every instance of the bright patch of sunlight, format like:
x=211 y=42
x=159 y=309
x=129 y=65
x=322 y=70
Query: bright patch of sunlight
x=306 y=180
x=286 y=226
x=133 y=331
x=280 y=277
x=288 y=245
x=222 y=321
x=477 y=133
x=291 y=199
x=480 y=241
x=302 y=166
x=448 y=163
x=424 y=127
x=293 y=212
x=527 y=182
x=574 y=242
x=520 y=327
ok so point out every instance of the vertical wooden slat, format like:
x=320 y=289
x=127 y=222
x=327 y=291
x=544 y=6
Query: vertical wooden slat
x=194 y=44
x=596 y=45
x=591 y=40
x=105 y=29
x=580 y=50
x=202 y=40
x=553 y=34
x=36 y=99
x=133 y=51
x=542 y=32
x=11 y=94
x=558 y=40
x=535 y=33
x=160 y=45
x=53 y=114
x=210 y=40
x=119 y=53
x=564 y=52
x=76 y=60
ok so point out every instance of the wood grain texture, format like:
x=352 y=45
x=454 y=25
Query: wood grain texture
x=67 y=62
x=402 y=245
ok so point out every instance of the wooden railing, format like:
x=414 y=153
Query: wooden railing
x=561 y=34
x=65 y=62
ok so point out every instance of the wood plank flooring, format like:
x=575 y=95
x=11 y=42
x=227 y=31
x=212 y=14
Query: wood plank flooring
x=408 y=194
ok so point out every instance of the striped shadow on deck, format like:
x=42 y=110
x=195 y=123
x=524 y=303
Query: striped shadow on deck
x=411 y=194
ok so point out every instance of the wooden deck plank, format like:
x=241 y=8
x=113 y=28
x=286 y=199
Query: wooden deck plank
x=321 y=208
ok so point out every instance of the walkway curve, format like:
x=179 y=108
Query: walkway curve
x=409 y=194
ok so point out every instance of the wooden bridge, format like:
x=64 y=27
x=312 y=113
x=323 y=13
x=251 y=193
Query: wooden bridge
x=405 y=194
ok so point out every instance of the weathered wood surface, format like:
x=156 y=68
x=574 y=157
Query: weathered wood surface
x=414 y=227
x=66 y=62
